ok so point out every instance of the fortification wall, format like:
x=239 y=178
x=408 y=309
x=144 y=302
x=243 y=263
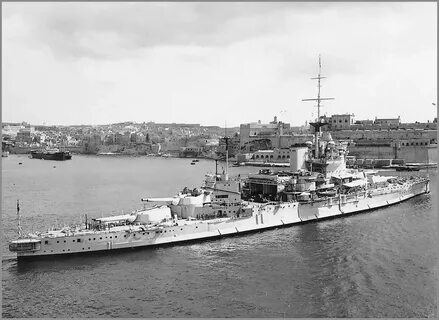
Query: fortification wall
x=372 y=152
x=424 y=154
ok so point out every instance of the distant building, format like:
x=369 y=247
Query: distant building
x=24 y=136
x=109 y=139
x=252 y=132
x=122 y=139
x=276 y=155
x=92 y=143
x=233 y=144
x=364 y=122
x=340 y=121
x=192 y=151
x=140 y=138
x=390 y=121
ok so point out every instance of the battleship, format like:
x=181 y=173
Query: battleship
x=317 y=186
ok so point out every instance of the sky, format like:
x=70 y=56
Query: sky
x=216 y=63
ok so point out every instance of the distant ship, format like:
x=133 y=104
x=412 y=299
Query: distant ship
x=51 y=154
x=317 y=186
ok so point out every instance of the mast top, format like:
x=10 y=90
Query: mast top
x=318 y=99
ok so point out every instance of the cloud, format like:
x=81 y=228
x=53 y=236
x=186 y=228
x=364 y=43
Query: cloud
x=108 y=30
x=168 y=61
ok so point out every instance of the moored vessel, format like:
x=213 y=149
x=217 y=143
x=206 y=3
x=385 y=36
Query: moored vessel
x=51 y=154
x=317 y=186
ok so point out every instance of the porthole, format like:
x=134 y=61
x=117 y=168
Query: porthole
x=94 y=238
x=73 y=240
x=63 y=250
x=100 y=238
x=111 y=237
x=89 y=247
x=46 y=242
x=68 y=249
x=115 y=236
x=64 y=241
x=57 y=242
x=89 y=239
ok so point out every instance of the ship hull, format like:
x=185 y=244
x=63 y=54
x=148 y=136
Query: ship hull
x=36 y=155
x=59 y=156
x=264 y=217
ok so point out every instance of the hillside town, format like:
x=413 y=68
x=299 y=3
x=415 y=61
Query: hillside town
x=254 y=142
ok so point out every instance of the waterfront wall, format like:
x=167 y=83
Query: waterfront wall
x=429 y=136
x=432 y=153
x=372 y=152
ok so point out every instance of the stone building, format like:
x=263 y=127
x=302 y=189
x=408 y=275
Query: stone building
x=390 y=121
x=340 y=121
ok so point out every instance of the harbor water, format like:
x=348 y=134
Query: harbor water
x=380 y=263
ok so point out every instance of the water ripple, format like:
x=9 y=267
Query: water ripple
x=376 y=264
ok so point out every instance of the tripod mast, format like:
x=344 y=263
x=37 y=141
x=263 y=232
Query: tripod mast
x=318 y=124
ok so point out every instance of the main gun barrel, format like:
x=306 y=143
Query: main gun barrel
x=157 y=199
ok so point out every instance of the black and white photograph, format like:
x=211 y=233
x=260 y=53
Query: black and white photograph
x=219 y=159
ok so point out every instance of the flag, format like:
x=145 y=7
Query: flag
x=18 y=207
